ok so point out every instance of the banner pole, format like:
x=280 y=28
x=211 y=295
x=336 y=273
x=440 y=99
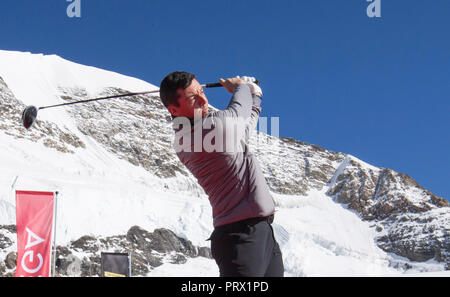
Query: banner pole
x=129 y=264
x=13 y=189
x=54 y=233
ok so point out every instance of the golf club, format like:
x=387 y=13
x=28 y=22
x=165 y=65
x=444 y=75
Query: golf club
x=29 y=114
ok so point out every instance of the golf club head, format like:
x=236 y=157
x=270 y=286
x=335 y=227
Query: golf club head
x=29 y=116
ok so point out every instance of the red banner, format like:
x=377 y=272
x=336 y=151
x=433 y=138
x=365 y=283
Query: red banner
x=34 y=218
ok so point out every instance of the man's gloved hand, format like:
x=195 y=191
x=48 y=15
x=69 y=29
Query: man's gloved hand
x=254 y=88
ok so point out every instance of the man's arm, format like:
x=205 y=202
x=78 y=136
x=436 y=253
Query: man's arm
x=244 y=109
x=240 y=105
x=256 y=107
x=252 y=122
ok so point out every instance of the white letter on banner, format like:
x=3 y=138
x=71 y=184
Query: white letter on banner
x=41 y=261
x=30 y=243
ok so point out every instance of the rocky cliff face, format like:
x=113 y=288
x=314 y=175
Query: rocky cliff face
x=47 y=133
x=411 y=221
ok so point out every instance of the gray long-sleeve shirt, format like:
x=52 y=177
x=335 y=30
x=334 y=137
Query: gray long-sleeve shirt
x=215 y=150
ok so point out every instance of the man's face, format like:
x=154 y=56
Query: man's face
x=192 y=102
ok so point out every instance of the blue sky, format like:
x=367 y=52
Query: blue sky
x=376 y=88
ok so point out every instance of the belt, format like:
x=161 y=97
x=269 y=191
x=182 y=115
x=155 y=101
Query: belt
x=269 y=219
x=250 y=221
x=231 y=226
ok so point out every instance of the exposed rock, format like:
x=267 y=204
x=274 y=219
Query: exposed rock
x=86 y=243
x=417 y=236
x=44 y=132
x=91 y=266
x=9 y=228
x=11 y=260
x=69 y=265
x=204 y=252
x=136 y=129
x=5 y=242
x=162 y=241
x=411 y=221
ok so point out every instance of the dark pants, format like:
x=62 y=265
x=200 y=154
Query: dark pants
x=247 y=248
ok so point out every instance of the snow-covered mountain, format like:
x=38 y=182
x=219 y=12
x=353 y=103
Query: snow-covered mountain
x=121 y=186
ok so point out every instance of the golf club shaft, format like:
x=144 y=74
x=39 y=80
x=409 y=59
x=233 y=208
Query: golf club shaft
x=211 y=85
x=215 y=85
x=98 y=99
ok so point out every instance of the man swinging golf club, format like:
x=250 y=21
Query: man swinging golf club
x=243 y=242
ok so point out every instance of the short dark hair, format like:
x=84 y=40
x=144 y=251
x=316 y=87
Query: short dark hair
x=171 y=83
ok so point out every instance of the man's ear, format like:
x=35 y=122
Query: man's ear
x=173 y=110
